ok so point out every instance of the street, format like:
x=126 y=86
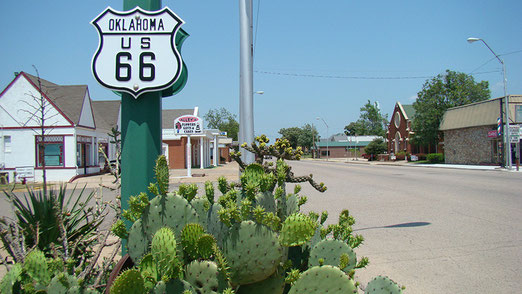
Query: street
x=433 y=230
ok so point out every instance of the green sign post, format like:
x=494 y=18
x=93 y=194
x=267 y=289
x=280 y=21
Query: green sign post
x=139 y=57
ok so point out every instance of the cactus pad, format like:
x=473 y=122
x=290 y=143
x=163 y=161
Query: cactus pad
x=381 y=285
x=267 y=201
x=128 y=282
x=214 y=226
x=163 y=251
x=323 y=279
x=292 y=204
x=205 y=277
x=252 y=251
x=137 y=242
x=330 y=252
x=61 y=283
x=297 y=230
x=275 y=284
x=35 y=265
x=173 y=286
x=189 y=239
x=206 y=246
x=201 y=206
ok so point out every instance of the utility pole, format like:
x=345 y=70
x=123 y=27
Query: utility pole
x=246 y=80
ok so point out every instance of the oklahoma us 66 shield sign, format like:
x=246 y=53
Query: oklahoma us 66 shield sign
x=137 y=51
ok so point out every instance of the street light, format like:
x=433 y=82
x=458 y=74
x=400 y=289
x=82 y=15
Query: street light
x=507 y=142
x=327 y=152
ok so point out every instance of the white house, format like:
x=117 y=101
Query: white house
x=71 y=132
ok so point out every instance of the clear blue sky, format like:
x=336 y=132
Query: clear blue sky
x=312 y=58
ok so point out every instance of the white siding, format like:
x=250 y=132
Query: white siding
x=21 y=100
x=86 y=117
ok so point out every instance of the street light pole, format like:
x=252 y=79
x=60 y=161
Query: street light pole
x=507 y=142
x=327 y=151
x=246 y=93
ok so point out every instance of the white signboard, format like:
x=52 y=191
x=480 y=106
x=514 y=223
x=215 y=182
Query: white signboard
x=188 y=125
x=514 y=133
x=137 y=51
x=24 y=172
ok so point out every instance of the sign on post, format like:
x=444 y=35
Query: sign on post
x=514 y=133
x=137 y=51
x=24 y=172
x=188 y=125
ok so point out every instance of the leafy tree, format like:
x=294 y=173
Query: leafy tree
x=370 y=122
x=437 y=95
x=292 y=135
x=377 y=146
x=303 y=137
x=223 y=120
x=308 y=135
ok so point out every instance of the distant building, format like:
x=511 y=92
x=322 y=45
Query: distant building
x=73 y=132
x=470 y=131
x=345 y=149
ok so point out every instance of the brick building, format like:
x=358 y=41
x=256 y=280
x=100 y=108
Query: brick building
x=470 y=131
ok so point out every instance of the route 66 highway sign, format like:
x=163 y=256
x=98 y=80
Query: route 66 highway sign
x=137 y=51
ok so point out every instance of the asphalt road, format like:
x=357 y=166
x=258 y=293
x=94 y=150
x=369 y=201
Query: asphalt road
x=433 y=230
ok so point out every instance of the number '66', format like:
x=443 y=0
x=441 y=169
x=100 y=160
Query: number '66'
x=123 y=70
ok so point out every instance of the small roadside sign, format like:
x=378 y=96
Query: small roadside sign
x=514 y=133
x=24 y=172
x=188 y=125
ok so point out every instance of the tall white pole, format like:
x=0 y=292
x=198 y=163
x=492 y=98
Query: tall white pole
x=201 y=155
x=189 y=157
x=246 y=92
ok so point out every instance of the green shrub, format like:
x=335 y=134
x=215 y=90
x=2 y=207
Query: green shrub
x=376 y=147
x=435 y=158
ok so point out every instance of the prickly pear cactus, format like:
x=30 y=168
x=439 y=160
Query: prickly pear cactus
x=252 y=251
x=323 y=279
x=163 y=251
x=205 y=246
x=297 y=230
x=205 y=277
x=9 y=280
x=329 y=252
x=61 y=283
x=129 y=282
x=35 y=265
x=189 y=239
x=138 y=243
x=173 y=286
x=382 y=285
x=275 y=284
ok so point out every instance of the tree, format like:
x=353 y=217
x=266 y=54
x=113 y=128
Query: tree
x=303 y=137
x=292 y=135
x=223 y=120
x=308 y=135
x=370 y=122
x=39 y=111
x=377 y=146
x=437 y=95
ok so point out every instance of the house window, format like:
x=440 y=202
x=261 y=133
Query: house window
x=7 y=144
x=50 y=150
x=325 y=153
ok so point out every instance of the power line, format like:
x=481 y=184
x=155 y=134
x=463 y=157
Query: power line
x=353 y=77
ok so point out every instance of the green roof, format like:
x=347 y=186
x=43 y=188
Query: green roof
x=343 y=144
x=410 y=111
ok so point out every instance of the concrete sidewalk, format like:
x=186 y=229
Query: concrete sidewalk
x=413 y=164
x=177 y=176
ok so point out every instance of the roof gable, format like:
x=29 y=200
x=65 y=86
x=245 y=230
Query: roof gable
x=21 y=100
x=106 y=113
x=169 y=115
x=87 y=114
